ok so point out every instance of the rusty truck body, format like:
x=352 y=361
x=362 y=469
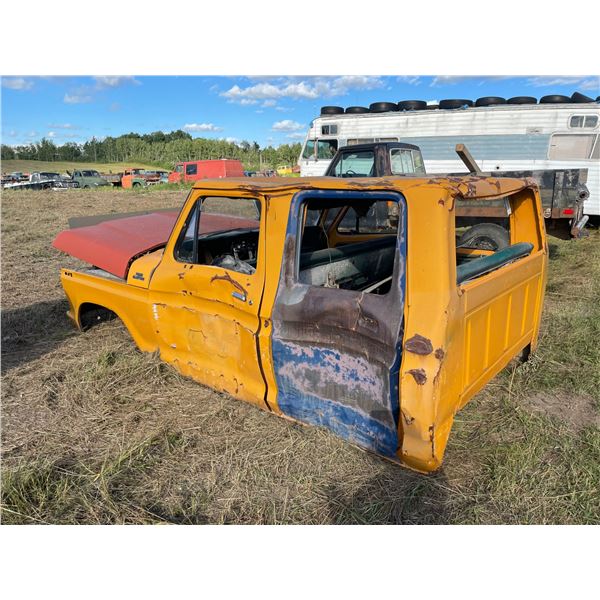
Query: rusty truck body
x=308 y=306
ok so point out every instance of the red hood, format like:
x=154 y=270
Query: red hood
x=112 y=245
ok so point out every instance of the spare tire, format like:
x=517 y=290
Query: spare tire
x=522 y=100
x=455 y=103
x=555 y=99
x=354 y=110
x=412 y=105
x=378 y=107
x=577 y=97
x=485 y=236
x=332 y=110
x=490 y=101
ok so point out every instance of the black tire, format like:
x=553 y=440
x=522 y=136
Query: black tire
x=485 y=236
x=577 y=97
x=355 y=110
x=555 y=99
x=85 y=187
x=412 y=105
x=455 y=103
x=136 y=184
x=379 y=107
x=490 y=101
x=432 y=106
x=522 y=100
x=332 y=110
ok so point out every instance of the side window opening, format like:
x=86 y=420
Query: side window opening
x=483 y=246
x=326 y=149
x=191 y=169
x=222 y=232
x=365 y=263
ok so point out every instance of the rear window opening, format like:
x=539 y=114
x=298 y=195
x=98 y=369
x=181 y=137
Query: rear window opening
x=486 y=244
x=349 y=245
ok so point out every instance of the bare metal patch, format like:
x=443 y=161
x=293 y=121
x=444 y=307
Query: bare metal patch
x=418 y=344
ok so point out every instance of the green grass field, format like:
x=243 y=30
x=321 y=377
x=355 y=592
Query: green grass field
x=29 y=166
x=94 y=431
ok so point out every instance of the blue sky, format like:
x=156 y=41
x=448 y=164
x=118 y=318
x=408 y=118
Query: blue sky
x=269 y=110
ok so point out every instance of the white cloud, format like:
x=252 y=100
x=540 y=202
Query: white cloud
x=17 y=83
x=62 y=126
x=113 y=81
x=449 y=79
x=12 y=133
x=575 y=83
x=231 y=140
x=51 y=134
x=77 y=98
x=32 y=134
x=296 y=136
x=310 y=89
x=269 y=103
x=410 y=79
x=201 y=127
x=287 y=125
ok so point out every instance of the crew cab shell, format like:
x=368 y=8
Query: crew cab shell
x=387 y=365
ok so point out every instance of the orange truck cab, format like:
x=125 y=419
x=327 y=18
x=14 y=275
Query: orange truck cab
x=341 y=303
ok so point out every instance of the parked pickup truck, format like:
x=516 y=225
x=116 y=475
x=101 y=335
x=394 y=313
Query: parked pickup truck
x=134 y=178
x=88 y=178
x=300 y=301
x=563 y=191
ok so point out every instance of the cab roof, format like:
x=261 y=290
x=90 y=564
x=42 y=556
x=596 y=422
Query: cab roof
x=469 y=187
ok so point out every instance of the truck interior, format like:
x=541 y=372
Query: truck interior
x=352 y=246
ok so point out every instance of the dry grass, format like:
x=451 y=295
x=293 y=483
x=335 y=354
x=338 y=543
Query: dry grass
x=93 y=431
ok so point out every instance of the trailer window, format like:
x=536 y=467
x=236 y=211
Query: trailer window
x=589 y=121
x=570 y=146
x=191 y=169
x=326 y=148
x=309 y=149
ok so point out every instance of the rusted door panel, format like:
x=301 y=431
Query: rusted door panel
x=336 y=353
x=500 y=318
x=207 y=322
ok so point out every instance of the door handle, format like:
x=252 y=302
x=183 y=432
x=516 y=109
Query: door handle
x=239 y=296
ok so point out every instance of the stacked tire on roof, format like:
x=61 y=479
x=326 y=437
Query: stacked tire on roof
x=454 y=103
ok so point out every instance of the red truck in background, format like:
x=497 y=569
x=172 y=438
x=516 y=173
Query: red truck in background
x=206 y=169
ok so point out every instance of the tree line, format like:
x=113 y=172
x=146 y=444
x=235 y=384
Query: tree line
x=158 y=148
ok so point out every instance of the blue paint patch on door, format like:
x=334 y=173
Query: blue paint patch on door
x=298 y=397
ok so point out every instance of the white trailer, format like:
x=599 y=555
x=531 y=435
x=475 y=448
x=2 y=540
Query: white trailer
x=503 y=137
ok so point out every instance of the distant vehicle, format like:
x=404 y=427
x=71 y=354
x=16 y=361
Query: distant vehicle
x=206 y=169
x=43 y=181
x=515 y=135
x=89 y=178
x=163 y=176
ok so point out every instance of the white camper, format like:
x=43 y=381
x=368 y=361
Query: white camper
x=501 y=137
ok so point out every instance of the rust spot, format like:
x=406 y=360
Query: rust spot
x=407 y=419
x=181 y=275
x=432 y=439
x=227 y=277
x=419 y=375
x=441 y=202
x=419 y=345
x=439 y=354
